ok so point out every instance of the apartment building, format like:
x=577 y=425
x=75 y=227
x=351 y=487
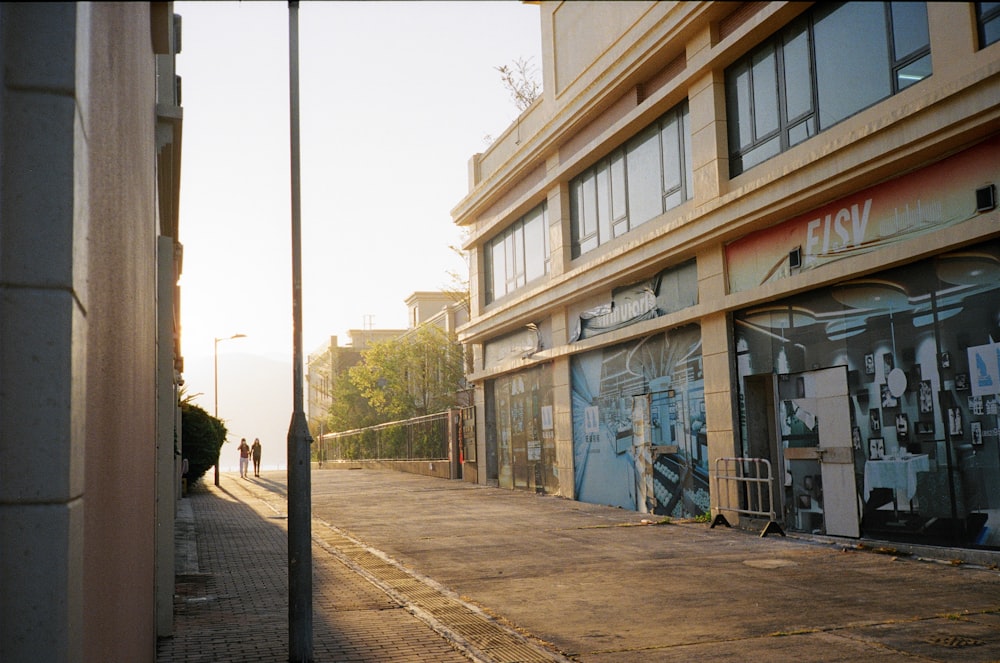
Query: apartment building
x=759 y=230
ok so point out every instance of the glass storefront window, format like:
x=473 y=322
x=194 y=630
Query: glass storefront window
x=924 y=417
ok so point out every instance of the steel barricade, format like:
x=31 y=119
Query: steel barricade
x=752 y=488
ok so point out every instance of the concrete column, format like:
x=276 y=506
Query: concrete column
x=720 y=394
x=43 y=385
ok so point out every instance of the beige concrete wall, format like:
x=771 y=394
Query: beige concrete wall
x=118 y=117
x=78 y=369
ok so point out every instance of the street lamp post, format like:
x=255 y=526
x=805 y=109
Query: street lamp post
x=216 y=394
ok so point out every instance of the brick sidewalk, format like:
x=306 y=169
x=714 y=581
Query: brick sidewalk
x=234 y=607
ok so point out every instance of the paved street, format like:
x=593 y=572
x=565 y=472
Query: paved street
x=496 y=575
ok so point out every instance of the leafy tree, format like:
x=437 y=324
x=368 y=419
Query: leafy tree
x=202 y=436
x=349 y=409
x=415 y=375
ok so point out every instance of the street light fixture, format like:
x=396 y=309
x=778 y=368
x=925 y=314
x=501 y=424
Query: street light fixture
x=216 y=394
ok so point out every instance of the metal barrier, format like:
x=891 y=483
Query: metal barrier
x=752 y=486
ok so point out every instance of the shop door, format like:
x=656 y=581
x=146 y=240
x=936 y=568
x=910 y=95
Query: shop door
x=817 y=412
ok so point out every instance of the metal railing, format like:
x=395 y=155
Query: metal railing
x=750 y=479
x=419 y=438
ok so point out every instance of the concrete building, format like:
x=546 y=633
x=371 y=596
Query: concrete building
x=89 y=329
x=760 y=230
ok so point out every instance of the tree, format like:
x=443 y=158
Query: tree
x=420 y=373
x=349 y=409
x=202 y=436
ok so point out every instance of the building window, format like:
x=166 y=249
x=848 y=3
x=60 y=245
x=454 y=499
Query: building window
x=638 y=181
x=988 y=22
x=831 y=63
x=518 y=255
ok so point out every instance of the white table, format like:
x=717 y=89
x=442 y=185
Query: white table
x=896 y=473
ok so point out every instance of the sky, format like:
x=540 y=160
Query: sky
x=395 y=98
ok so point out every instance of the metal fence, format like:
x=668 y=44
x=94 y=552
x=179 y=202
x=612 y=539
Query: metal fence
x=752 y=480
x=420 y=438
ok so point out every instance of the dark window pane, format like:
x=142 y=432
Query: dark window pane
x=765 y=92
x=618 y=208
x=499 y=276
x=991 y=32
x=852 y=69
x=798 y=82
x=671 y=154
x=534 y=246
x=738 y=98
x=800 y=132
x=914 y=72
x=688 y=167
x=909 y=27
x=645 y=193
x=761 y=153
x=603 y=202
x=588 y=206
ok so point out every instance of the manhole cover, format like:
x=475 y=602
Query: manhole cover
x=953 y=641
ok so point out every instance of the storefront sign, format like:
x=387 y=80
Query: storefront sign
x=671 y=290
x=928 y=200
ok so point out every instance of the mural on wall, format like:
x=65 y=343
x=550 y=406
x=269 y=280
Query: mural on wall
x=639 y=437
x=871 y=219
x=920 y=347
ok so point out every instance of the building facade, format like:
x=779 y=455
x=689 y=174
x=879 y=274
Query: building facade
x=759 y=230
x=89 y=329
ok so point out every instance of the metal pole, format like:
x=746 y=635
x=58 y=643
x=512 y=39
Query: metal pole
x=215 y=412
x=215 y=393
x=300 y=644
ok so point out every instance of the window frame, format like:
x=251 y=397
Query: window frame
x=610 y=174
x=515 y=253
x=742 y=156
x=982 y=19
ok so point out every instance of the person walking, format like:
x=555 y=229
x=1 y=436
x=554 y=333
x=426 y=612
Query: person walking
x=255 y=454
x=244 y=458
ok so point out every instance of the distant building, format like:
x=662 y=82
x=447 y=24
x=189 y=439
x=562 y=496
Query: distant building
x=760 y=229
x=328 y=361
x=89 y=264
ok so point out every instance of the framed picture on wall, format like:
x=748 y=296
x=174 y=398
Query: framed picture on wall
x=962 y=382
x=888 y=363
x=944 y=360
x=876 y=448
x=869 y=364
x=955 y=427
x=888 y=400
x=902 y=427
x=856 y=438
x=875 y=421
x=926 y=397
x=977 y=433
x=925 y=428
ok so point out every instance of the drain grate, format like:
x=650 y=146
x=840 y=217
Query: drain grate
x=953 y=641
x=449 y=615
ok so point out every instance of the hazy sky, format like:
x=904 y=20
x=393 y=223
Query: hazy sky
x=395 y=99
